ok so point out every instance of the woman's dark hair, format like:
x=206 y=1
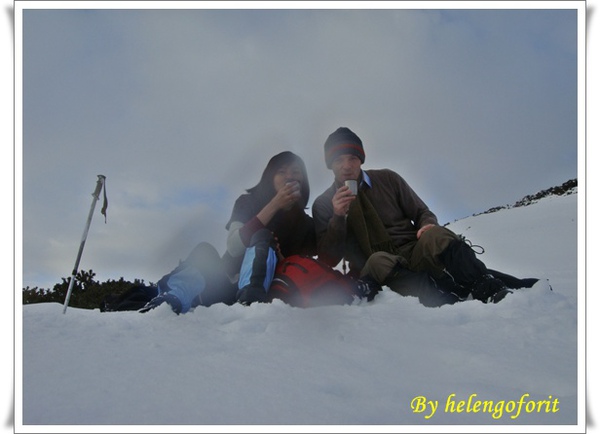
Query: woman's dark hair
x=265 y=189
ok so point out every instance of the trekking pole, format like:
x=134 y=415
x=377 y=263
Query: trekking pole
x=96 y=195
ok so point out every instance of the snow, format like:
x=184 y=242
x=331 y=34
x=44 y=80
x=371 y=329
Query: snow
x=275 y=368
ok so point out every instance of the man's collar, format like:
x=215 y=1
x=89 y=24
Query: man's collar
x=366 y=179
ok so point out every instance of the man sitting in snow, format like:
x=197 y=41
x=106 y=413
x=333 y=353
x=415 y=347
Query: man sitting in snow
x=388 y=234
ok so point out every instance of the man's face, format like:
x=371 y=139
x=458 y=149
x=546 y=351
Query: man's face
x=346 y=166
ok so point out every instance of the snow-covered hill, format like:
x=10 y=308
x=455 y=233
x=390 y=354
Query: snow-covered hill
x=384 y=366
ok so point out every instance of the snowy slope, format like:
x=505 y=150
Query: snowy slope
x=343 y=365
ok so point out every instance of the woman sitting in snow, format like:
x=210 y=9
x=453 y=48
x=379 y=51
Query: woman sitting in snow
x=267 y=223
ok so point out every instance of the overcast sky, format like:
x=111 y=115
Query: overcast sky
x=181 y=110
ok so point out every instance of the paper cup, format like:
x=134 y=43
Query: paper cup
x=296 y=185
x=352 y=184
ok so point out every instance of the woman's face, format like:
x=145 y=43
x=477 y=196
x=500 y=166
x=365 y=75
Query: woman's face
x=287 y=173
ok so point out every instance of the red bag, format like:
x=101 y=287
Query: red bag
x=303 y=281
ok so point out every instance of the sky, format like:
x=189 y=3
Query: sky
x=181 y=109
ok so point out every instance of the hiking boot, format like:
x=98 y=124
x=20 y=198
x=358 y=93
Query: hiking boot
x=367 y=288
x=165 y=297
x=488 y=289
x=447 y=284
x=252 y=294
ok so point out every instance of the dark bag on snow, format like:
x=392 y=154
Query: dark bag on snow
x=133 y=299
x=303 y=281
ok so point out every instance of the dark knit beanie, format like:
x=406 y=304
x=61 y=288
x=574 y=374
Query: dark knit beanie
x=343 y=141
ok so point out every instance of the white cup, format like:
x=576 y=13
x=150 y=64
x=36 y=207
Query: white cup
x=296 y=186
x=353 y=185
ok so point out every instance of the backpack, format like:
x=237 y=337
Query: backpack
x=303 y=281
x=133 y=299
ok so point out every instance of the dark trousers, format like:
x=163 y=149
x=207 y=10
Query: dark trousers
x=418 y=256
